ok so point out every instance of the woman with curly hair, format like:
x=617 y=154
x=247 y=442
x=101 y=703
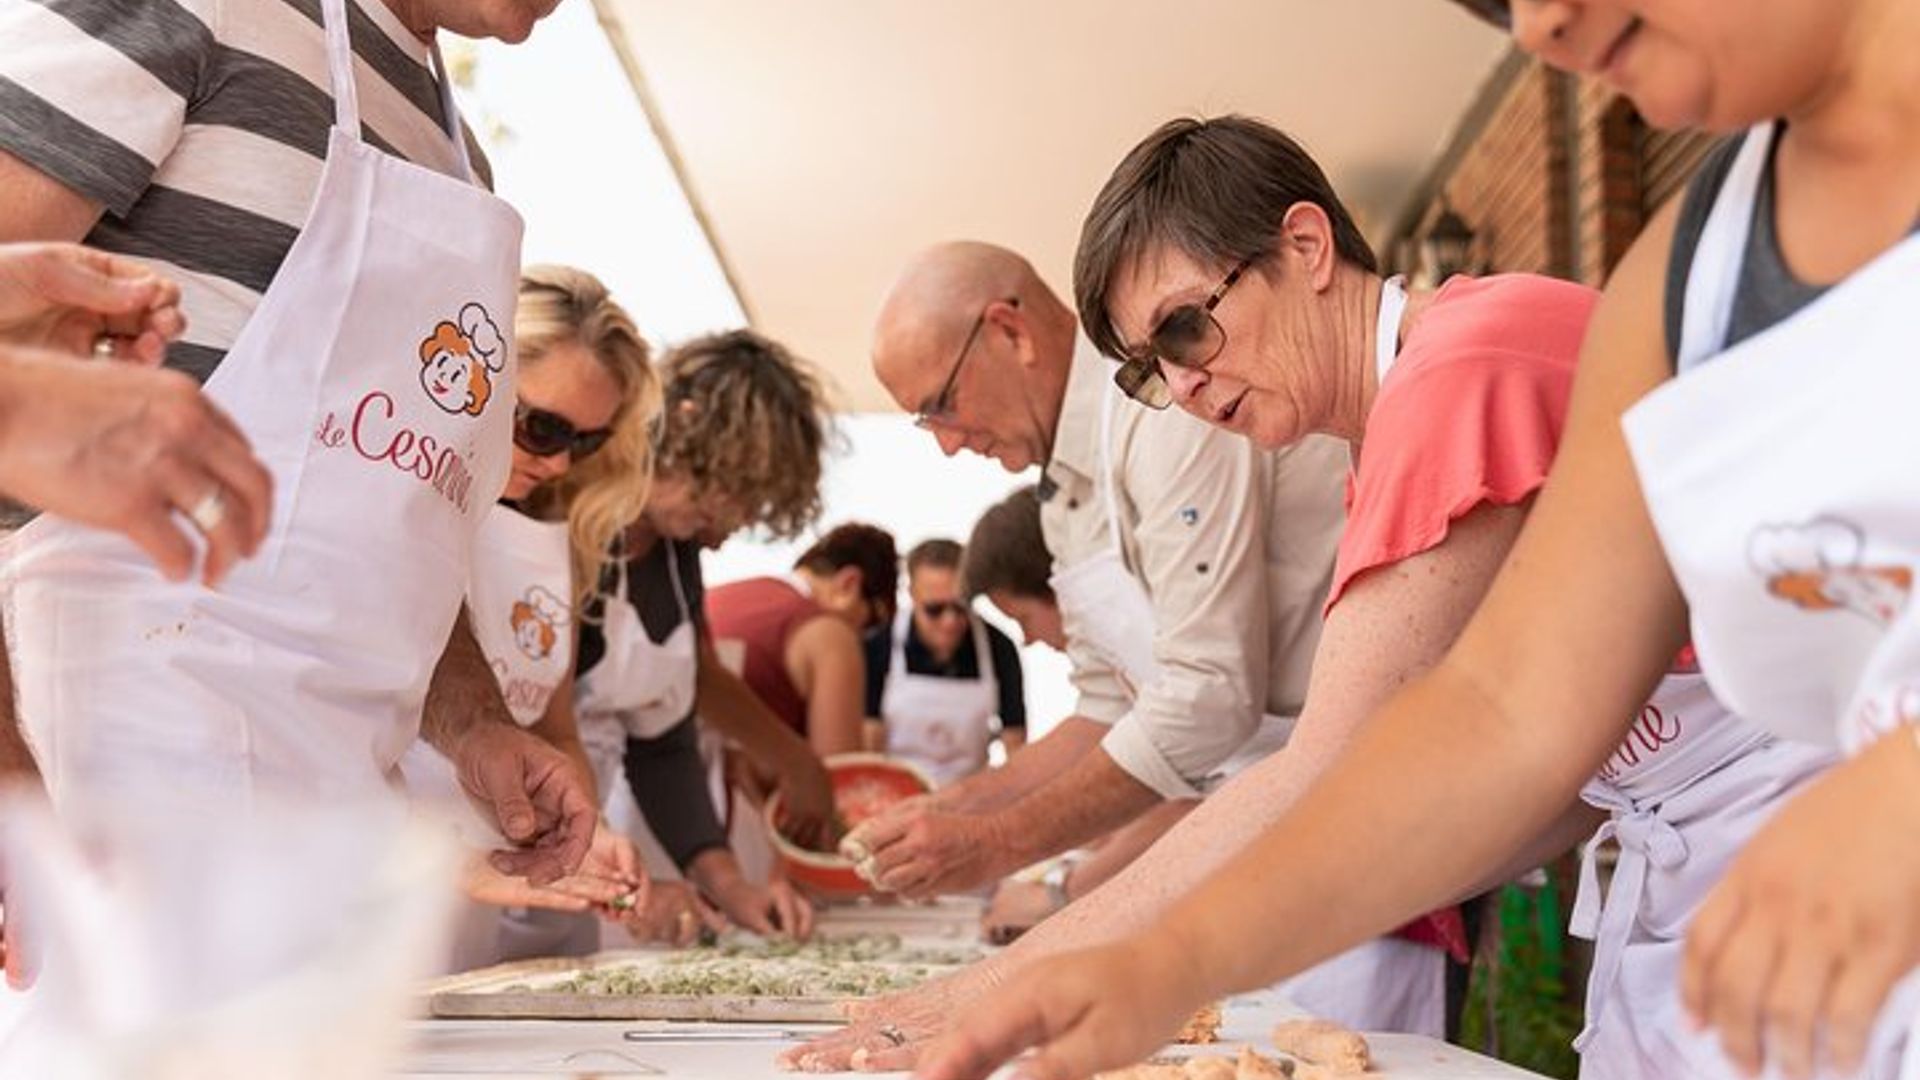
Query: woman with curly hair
x=739 y=443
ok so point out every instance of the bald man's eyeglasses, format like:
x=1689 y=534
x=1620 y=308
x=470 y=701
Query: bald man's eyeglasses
x=940 y=408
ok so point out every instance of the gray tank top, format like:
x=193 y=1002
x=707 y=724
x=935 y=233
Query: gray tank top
x=1767 y=291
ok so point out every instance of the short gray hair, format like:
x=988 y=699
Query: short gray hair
x=1214 y=190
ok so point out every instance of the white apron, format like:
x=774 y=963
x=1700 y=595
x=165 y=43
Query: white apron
x=375 y=380
x=638 y=688
x=1780 y=476
x=1386 y=984
x=1687 y=788
x=519 y=601
x=942 y=725
x=1099 y=597
x=642 y=689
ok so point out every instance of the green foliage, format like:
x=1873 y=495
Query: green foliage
x=1518 y=1008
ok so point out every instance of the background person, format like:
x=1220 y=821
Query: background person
x=942 y=685
x=800 y=634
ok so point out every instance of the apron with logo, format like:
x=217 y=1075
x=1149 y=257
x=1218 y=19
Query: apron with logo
x=375 y=380
x=942 y=725
x=519 y=602
x=1779 y=473
x=1687 y=788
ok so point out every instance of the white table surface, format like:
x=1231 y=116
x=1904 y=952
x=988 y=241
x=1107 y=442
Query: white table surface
x=541 y=1050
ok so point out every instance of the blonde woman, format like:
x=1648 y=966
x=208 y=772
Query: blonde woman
x=582 y=463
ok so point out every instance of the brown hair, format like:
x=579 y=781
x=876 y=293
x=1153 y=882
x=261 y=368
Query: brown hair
x=602 y=494
x=1007 y=550
x=867 y=547
x=941 y=553
x=747 y=420
x=1214 y=190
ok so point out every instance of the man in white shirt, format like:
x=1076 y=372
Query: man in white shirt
x=1154 y=520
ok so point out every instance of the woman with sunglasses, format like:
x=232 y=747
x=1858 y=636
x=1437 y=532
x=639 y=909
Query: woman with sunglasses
x=1263 y=314
x=1738 y=466
x=739 y=443
x=580 y=469
x=942 y=685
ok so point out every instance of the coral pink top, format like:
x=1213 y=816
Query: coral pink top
x=1470 y=413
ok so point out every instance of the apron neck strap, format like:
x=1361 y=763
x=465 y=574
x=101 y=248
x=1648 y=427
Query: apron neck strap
x=902 y=627
x=673 y=575
x=346 y=95
x=450 y=110
x=346 y=98
x=982 y=646
x=1103 y=487
x=1713 y=278
x=1386 y=333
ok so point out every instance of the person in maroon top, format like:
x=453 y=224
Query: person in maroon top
x=801 y=633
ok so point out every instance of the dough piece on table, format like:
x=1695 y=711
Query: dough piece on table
x=1149 y=1070
x=1201 y=1028
x=1251 y=1066
x=1209 y=1068
x=1323 y=1043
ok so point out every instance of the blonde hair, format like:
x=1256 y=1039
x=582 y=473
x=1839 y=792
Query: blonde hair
x=747 y=420
x=602 y=495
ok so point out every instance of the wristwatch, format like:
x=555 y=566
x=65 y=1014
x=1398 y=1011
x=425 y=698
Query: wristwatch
x=1055 y=881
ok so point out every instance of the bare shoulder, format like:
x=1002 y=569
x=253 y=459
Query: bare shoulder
x=1625 y=355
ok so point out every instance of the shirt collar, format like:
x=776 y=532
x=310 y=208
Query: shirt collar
x=1076 y=437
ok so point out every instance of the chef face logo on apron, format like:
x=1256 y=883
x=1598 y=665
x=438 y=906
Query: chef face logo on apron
x=458 y=364
x=1818 y=566
x=458 y=361
x=537 y=619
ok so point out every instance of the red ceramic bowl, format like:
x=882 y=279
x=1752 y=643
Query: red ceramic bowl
x=863 y=786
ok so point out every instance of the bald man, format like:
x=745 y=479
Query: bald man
x=1189 y=566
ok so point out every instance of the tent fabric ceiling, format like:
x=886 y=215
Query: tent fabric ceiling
x=825 y=142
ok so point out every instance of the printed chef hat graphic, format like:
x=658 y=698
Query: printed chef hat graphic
x=483 y=335
x=1812 y=548
x=547 y=607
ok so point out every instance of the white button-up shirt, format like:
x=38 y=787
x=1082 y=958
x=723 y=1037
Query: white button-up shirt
x=1234 y=546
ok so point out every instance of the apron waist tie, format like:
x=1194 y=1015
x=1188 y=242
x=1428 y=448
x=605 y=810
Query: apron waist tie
x=1644 y=838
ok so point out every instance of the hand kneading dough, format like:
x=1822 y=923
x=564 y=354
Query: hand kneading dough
x=1323 y=1043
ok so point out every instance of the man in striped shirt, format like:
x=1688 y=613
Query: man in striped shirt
x=189 y=135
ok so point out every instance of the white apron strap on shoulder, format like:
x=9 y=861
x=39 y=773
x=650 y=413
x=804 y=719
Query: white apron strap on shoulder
x=1714 y=278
